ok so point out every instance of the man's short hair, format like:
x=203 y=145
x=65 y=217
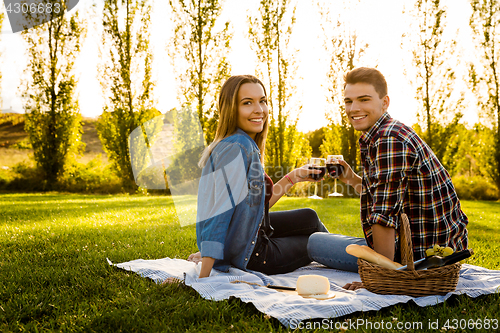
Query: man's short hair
x=367 y=75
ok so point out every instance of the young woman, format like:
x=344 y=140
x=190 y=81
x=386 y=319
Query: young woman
x=234 y=226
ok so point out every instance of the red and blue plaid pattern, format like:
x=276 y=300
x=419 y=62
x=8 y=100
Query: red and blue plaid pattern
x=401 y=174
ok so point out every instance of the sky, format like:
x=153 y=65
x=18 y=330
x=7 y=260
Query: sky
x=378 y=23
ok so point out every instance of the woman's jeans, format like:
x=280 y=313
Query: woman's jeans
x=329 y=249
x=286 y=249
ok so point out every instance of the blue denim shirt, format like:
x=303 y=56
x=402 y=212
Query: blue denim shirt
x=230 y=202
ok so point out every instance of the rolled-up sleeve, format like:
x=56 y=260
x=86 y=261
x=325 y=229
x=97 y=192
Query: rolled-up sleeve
x=392 y=162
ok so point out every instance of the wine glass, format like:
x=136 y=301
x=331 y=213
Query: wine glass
x=334 y=170
x=317 y=164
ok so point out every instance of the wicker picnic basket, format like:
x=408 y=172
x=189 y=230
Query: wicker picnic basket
x=381 y=280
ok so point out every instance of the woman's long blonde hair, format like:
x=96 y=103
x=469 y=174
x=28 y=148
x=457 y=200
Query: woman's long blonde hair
x=228 y=115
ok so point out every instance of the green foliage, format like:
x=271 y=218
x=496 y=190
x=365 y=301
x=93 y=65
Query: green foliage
x=92 y=177
x=475 y=188
x=295 y=152
x=55 y=277
x=431 y=72
x=114 y=129
x=346 y=50
x=53 y=119
x=11 y=118
x=442 y=135
x=349 y=140
x=26 y=178
x=483 y=77
x=269 y=34
x=468 y=156
x=126 y=79
x=470 y=152
x=446 y=139
x=23 y=144
x=197 y=44
x=338 y=141
x=315 y=139
x=187 y=133
x=5 y=177
x=1 y=24
x=187 y=143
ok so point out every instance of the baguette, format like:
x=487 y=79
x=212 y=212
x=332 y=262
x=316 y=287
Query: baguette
x=366 y=253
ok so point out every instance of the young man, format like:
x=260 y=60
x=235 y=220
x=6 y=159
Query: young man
x=401 y=174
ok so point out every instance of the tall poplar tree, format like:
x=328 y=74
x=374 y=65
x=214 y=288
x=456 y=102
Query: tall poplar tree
x=434 y=75
x=485 y=23
x=270 y=34
x=199 y=52
x=1 y=25
x=53 y=119
x=126 y=79
x=346 y=50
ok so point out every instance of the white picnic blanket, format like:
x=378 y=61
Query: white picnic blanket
x=291 y=309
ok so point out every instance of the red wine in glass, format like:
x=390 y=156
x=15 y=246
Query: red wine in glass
x=319 y=175
x=335 y=170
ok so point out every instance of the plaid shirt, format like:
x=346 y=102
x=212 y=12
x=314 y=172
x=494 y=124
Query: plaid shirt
x=402 y=174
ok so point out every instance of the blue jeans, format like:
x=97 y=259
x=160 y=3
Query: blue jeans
x=329 y=249
x=286 y=249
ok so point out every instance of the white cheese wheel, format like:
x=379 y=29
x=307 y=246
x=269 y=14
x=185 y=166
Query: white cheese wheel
x=312 y=285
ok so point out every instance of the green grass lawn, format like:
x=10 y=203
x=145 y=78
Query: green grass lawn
x=54 y=275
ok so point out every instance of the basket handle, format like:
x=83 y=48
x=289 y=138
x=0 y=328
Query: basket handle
x=406 y=244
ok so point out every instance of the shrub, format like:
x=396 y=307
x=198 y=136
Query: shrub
x=23 y=144
x=475 y=188
x=93 y=177
x=11 y=118
x=5 y=177
x=27 y=178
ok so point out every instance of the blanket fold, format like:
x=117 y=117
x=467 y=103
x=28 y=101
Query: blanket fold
x=474 y=281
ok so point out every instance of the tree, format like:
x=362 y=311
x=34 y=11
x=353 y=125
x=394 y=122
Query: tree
x=270 y=34
x=204 y=51
x=485 y=80
x=434 y=76
x=452 y=138
x=187 y=145
x=470 y=151
x=315 y=139
x=126 y=79
x=53 y=119
x=346 y=51
x=332 y=136
x=1 y=25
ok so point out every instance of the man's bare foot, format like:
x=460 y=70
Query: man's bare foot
x=353 y=286
x=195 y=257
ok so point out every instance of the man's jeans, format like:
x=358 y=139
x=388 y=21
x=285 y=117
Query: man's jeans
x=329 y=249
x=286 y=249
